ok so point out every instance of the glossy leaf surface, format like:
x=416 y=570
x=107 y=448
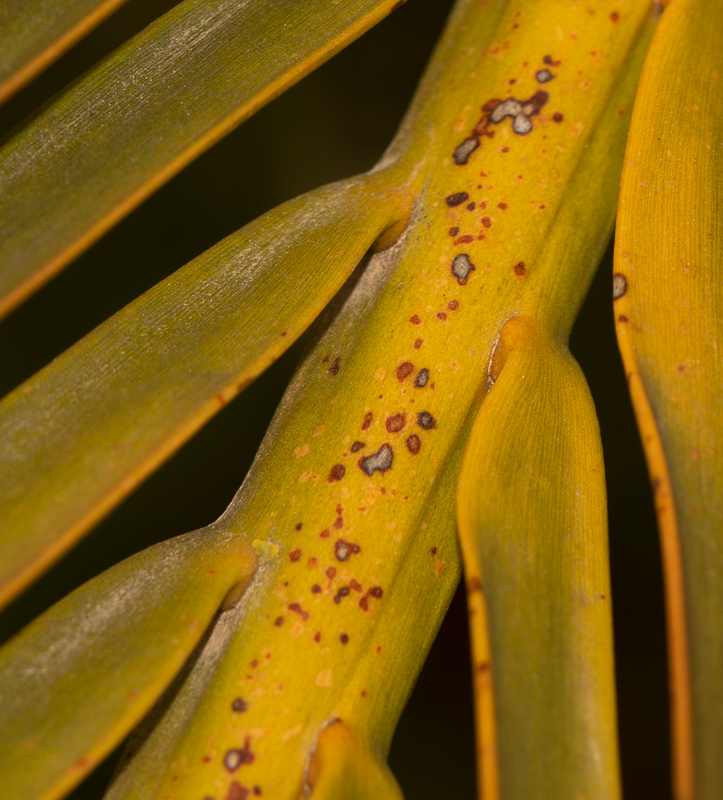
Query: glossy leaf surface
x=145 y=112
x=668 y=311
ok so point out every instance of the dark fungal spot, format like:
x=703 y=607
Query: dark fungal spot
x=344 y=638
x=299 y=526
x=453 y=305
x=236 y=791
x=355 y=585
x=550 y=61
x=395 y=423
x=622 y=318
x=441 y=315
x=502 y=206
x=426 y=420
x=519 y=269
x=380 y=461
x=343 y=592
x=471 y=206
x=238 y=756
x=422 y=378
x=317 y=636
x=338 y=471
x=295 y=555
x=453 y=231
x=344 y=550
x=297 y=609
x=463 y=151
x=339 y=523
x=456 y=199
x=257 y=789
x=334 y=368
x=315 y=589
x=557 y=117
x=357 y=446
x=461 y=268
x=487 y=222
x=418 y=343
x=279 y=621
x=543 y=75
x=376 y=591
x=324 y=534
x=239 y=705
x=620 y=285
x=368 y=417
x=414 y=319
x=414 y=444
x=404 y=370
x=433 y=551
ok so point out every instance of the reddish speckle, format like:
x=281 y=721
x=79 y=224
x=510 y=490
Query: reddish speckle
x=368 y=417
x=239 y=705
x=520 y=269
x=418 y=343
x=315 y=589
x=505 y=149
x=355 y=585
x=334 y=368
x=324 y=534
x=453 y=231
x=294 y=555
x=614 y=16
x=279 y=621
x=238 y=756
x=426 y=420
x=414 y=444
x=364 y=602
x=317 y=636
x=343 y=638
x=441 y=315
x=550 y=61
x=415 y=320
x=345 y=550
x=456 y=199
x=342 y=592
x=466 y=239
x=471 y=206
x=622 y=318
x=453 y=305
x=404 y=370
x=297 y=609
x=502 y=206
x=331 y=573
x=487 y=222
x=236 y=791
x=557 y=117
x=338 y=471
x=395 y=423
x=339 y=523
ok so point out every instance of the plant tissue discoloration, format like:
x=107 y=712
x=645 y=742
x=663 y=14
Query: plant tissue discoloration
x=381 y=461
x=344 y=550
x=238 y=756
x=461 y=268
x=620 y=285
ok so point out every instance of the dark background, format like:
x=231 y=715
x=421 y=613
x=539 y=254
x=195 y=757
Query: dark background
x=335 y=123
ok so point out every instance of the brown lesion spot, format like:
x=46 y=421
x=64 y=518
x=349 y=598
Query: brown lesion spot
x=295 y=555
x=396 y=423
x=520 y=269
x=426 y=420
x=456 y=199
x=404 y=370
x=357 y=446
x=620 y=285
x=344 y=550
x=380 y=461
x=414 y=444
x=239 y=705
x=334 y=366
x=238 y=756
x=368 y=417
x=338 y=471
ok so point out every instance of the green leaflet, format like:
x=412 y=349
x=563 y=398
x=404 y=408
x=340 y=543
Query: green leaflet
x=76 y=680
x=532 y=521
x=79 y=435
x=148 y=110
x=34 y=33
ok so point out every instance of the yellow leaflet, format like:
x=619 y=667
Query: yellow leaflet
x=668 y=302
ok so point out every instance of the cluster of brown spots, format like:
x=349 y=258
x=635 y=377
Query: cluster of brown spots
x=426 y=420
x=550 y=61
x=414 y=444
x=338 y=471
x=404 y=370
x=316 y=589
x=396 y=423
x=357 y=446
x=422 y=378
x=344 y=638
x=342 y=592
x=239 y=705
x=456 y=199
x=297 y=609
x=380 y=461
x=279 y=621
x=295 y=555
x=418 y=343
x=238 y=756
x=453 y=231
x=414 y=319
x=461 y=268
x=344 y=550
x=519 y=269
x=368 y=417
x=620 y=285
x=375 y=592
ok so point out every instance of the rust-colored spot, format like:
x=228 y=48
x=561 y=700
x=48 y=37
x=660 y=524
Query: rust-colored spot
x=206 y=760
x=614 y=16
x=379 y=649
x=487 y=222
x=380 y=461
x=415 y=320
x=622 y=318
x=345 y=550
x=368 y=417
x=483 y=666
x=238 y=756
x=342 y=592
x=324 y=534
x=505 y=149
x=295 y=555
x=519 y=269
x=396 y=423
x=453 y=305
x=474 y=585
x=364 y=602
x=339 y=523
x=376 y=591
x=414 y=444
x=404 y=370
x=456 y=199
x=550 y=61
x=453 y=231
x=471 y=206
x=338 y=471
x=502 y=206
x=279 y=621
x=297 y=609
x=239 y=705
x=357 y=446
x=441 y=315
x=299 y=526
x=355 y=585
x=418 y=343
x=236 y=791
x=315 y=589
x=422 y=378
x=257 y=789
x=557 y=117
x=466 y=239
x=426 y=420
x=317 y=636
x=344 y=638
x=331 y=573
x=620 y=285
